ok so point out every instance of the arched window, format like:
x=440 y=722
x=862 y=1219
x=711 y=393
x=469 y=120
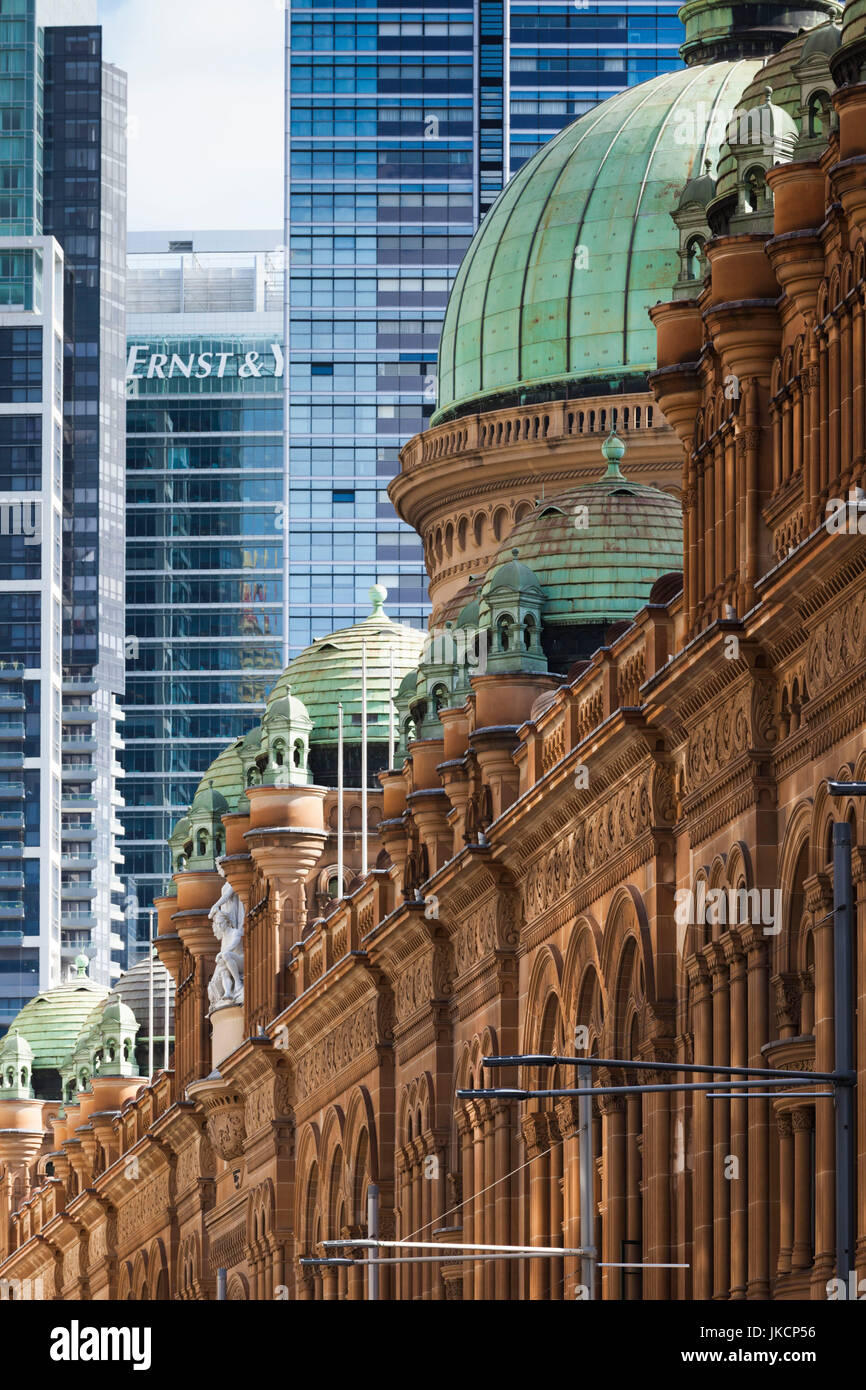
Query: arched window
x=298 y=754
x=279 y=754
x=695 y=257
x=440 y=695
x=755 y=186
x=819 y=111
x=202 y=844
x=503 y=630
x=333 y=886
x=528 y=631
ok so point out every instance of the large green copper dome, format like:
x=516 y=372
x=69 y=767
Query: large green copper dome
x=556 y=284
x=53 y=1021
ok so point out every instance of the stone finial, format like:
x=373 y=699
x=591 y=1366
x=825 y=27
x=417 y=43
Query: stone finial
x=613 y=450
x=378 y=595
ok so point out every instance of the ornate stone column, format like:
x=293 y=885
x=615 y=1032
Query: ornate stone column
x=802 y=1120
x=464 y=1129
x=489 y=1199
x=503 y=1122
x=721 y=1123
x=786 y=1191
x=757 y=988
x=739 y=1051
x=568 y=1120
x=613 y=1191
x=480 y=1196
x=557 y=1269
x=535 y=1132
x=819 y=901
x=702 y=1134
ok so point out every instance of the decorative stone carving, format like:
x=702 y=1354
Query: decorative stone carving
x=227 y=983
x=227 y=1133
x=835 y=647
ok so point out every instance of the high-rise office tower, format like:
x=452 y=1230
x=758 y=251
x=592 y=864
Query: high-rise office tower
x=62 y=231
x=405 y=121
x=204 y=523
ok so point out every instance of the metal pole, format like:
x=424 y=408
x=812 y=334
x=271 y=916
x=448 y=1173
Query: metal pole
x=222 y=1280
x=390 y=708
x=363 y=757
x=530 y=1059
x=373 y=1235
x=843 y=1010
x=708 y=1087
x=150 y=997
x=340 y=883
x=165 y=1039
x=587 y=1178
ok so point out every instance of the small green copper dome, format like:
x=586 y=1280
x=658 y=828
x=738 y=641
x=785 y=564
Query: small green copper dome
x=512 y=574
x=556 y=284
x=597 y=549
x=822 y=42
x=329 y=672
x=778 y=76
x=53 y=1021
x=283 y=703
x=223 y=782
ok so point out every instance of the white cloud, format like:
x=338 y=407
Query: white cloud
x=205 y=107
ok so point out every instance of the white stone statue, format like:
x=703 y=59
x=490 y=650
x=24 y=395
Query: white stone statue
x=227 y=981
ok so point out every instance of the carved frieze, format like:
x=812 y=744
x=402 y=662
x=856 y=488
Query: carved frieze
x=836 y=647
x=648 y=799
x=353 y=1037
x=147 y=1202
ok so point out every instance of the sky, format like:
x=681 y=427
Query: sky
x=205 y=110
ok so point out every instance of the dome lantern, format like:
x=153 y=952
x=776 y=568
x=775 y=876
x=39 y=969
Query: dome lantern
x=286 y=730
x=510 y=611
x=115 y=1034
x=16 y=1067
x=207 y=832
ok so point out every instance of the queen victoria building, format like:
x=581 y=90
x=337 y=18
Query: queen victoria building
x=598 y=817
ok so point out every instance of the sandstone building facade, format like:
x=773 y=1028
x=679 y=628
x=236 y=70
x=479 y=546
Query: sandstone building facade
x=640 y=683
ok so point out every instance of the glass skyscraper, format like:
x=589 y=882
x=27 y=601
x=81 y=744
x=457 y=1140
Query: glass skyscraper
x=62 y=232
x=204 y=523
x=405 y=122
